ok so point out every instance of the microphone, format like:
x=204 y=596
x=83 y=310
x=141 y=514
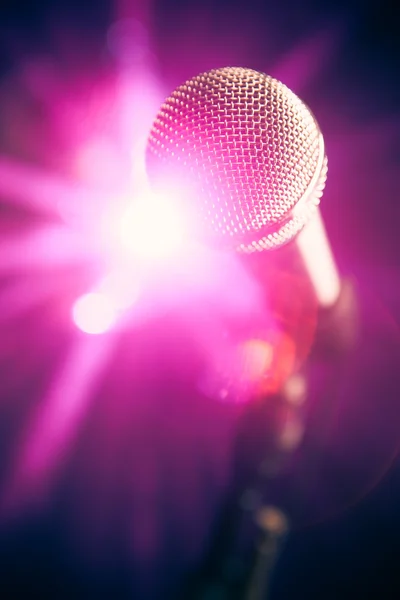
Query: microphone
x=252 y=157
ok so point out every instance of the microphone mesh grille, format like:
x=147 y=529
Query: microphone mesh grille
x=251 y=151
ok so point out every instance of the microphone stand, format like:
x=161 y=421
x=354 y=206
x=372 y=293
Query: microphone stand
x=251 y=529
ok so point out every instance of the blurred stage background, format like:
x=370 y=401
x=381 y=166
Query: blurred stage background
x=112 y=467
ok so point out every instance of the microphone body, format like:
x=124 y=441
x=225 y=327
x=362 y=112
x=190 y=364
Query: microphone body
x=318 y=260
x=251 y=156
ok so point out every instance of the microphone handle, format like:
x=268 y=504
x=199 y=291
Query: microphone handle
x=251 y=533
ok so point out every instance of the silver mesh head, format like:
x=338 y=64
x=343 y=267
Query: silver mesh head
x=250 y=152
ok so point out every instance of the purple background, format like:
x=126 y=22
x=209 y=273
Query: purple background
x=134 y=497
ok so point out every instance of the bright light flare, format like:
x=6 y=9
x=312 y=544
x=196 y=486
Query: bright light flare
x=94 y=313
x=152 y=228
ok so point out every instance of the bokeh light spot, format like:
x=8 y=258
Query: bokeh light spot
x=256 y=359
x=94 y=313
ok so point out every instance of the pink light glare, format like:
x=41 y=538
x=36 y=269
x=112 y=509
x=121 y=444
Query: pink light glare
x=47 y=194
x=54 y=425
x=43 y=247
